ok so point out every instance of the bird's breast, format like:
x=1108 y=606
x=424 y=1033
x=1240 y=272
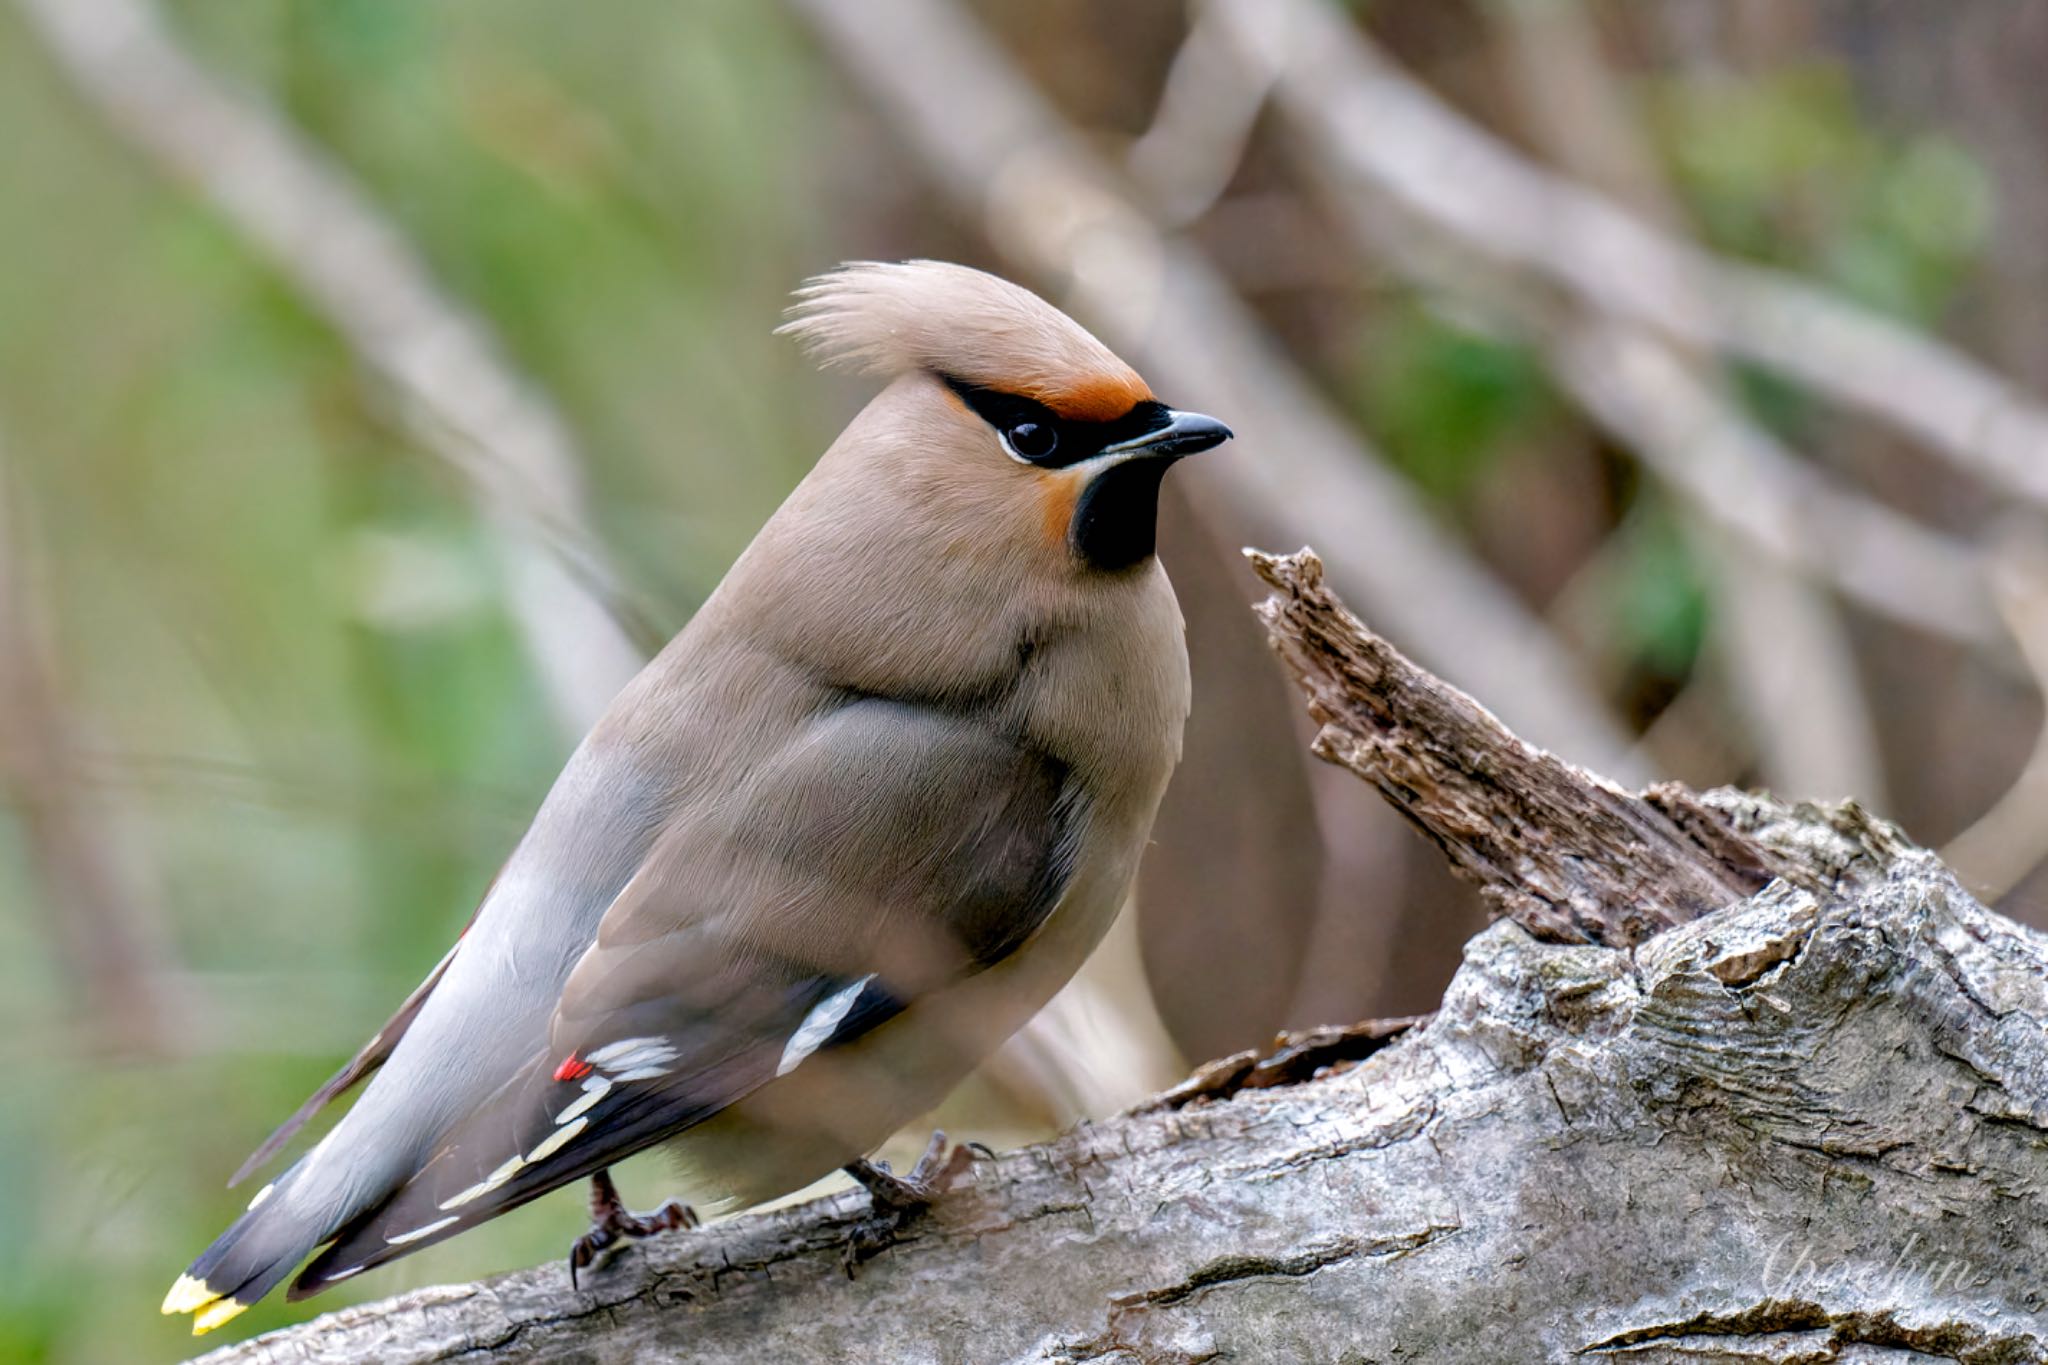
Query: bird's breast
x=1105 y=686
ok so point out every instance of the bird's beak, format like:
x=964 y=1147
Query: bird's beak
x=1184 y=433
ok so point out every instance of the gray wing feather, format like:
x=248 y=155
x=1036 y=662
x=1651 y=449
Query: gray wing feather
x=889 y=850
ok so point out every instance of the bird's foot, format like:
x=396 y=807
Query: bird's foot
x=899 y=1199
x=612 y=1223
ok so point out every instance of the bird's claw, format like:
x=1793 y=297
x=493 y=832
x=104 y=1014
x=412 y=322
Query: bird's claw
x=612 y=1224
x=898 y=1199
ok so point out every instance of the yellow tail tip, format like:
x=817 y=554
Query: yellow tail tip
x=188 y=1296
x=216 y=1313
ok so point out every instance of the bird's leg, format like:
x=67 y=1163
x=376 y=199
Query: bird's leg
x=899 y=1198
x=937 y=1171
x=611 y=1222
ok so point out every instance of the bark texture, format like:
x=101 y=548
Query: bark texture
x=1731 y=1081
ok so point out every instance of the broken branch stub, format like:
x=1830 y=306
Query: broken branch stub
x=1566 y=854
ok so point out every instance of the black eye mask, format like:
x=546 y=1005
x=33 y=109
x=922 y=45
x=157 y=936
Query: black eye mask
x=1037 y=435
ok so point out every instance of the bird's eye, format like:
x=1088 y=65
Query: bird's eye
x=1033 y=440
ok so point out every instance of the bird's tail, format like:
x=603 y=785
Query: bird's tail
x=249 y=1260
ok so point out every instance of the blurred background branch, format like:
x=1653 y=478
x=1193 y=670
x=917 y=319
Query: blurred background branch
x=103 y=923
x=450 y=384
x=2010 y=840
x=1374 y=122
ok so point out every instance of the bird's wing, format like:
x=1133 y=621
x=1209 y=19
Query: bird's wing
x=367 y=1059
x=892 y=849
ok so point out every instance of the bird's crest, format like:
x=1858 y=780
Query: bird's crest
x=966 y=324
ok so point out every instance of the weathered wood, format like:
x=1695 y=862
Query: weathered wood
x=1566 y=854
x=1805 y=1122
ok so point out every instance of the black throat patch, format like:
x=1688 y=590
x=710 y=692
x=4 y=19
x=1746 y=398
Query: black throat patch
x=1115 y=523
x=1116 y=520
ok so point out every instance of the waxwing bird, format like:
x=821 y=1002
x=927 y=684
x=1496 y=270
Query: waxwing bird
x=845 y=834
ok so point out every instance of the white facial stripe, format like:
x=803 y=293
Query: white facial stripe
x=1103 y=459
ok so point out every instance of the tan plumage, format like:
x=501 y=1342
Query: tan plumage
x=931 y=315
x=850 y=829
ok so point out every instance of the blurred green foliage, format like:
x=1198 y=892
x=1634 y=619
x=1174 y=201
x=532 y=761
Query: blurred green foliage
x=1445 y=396
x=1657 y=594
x=1789 y=168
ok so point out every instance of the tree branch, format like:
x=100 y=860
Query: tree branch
x=1799 y=1117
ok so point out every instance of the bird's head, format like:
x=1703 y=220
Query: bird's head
x=1003 y=408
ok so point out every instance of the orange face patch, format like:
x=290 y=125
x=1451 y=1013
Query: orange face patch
x=1097 y=398
x=1059 y=491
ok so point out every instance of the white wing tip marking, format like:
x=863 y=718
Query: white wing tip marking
x=555 y=1141
x=632 y=1053
x=401 y=1238
x=487 y=1184
x=818 y=1025
x=594 y=1089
